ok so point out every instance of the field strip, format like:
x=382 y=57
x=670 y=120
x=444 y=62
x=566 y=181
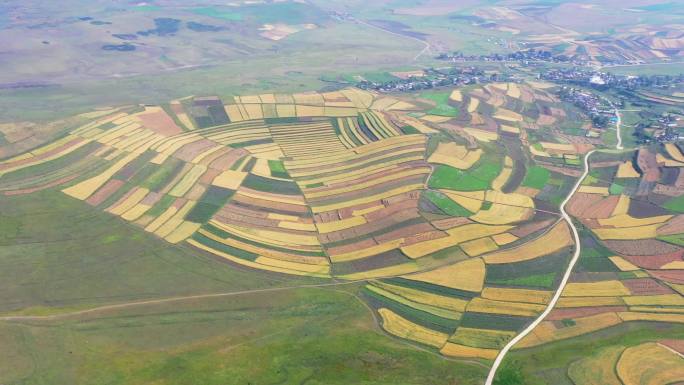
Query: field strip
x=564 y=281
x=571 y=265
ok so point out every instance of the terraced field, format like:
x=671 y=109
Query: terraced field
x=450 y=223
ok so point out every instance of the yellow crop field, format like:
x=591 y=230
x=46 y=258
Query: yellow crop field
x=449 y=303
x=622 y=206
x=674 y=152
x=555 y=239
x=623 y=264
x=456 y=235
x=304 y=267
x=650 y=364
x=375 y=181
x=281 y=198
x=482 y=135
x=470 y=200
x=188 y=180
x=483 y=305
x=391 y=271
x=501 y=214
x=458 y=350
x=517 y=295
x=504 y=239
x=626 y=170
x=481 y=338
x=627 y=233
x=569 y=302
x=286 y=110
x=502 y=178
x=135 y=212
x=130 y=201
x=175 y=220
x=182 y=232
x=596 y=289
x=456 y=96
x=653 y=300
x=367 y=199
x=361 y=99
x=479 y=246
x=597 y=368
x=229 y=179
x=626 y=220
x=594 y=190
x=401 y=327
x=455 y=155
x=513 y=90
x=465 y=275
x=87 y=187
x=547 y=330
x=510 y=129
x=278 y=238
x=251 y=264
x=447 y=314
x=508 y=115
x=473 y=104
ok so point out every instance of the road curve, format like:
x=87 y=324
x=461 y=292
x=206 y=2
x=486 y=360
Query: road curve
x=564 y=281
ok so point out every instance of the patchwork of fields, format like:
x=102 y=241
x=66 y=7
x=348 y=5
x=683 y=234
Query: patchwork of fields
x=444 y=206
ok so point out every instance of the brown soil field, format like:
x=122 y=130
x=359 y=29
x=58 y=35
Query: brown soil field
x=527 y=229
x=191 y=150
x=408 y=231
x=448 y=223
x=672 y=276
x=160 y=122
x=569 y=313
x=673 y=226
x=654 y=261
x=364 y=244
x=676 y=345
x=225 y=161
x=276 y=207
x=104 y=192
x=641 y=247
x=646 y=286
x=646 y=160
